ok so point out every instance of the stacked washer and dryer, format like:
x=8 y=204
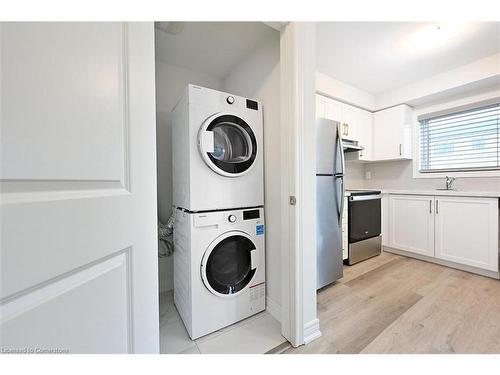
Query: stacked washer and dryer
x=218 y=195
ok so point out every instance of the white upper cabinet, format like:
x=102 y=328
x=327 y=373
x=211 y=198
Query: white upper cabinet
x=467 y=231
x=355 y=124
x=392 y=133
x=365 y=134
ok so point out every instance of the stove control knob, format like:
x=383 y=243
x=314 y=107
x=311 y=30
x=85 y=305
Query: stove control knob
x=232 y=218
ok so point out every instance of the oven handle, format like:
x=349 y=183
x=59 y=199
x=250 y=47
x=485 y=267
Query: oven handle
x=365 y=197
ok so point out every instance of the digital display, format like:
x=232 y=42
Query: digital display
x=252 y=104
x=251 y=214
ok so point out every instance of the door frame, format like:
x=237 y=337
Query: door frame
x=299 y=322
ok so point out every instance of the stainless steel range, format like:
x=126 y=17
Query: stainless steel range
x=364 y=225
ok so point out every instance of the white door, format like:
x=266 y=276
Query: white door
x=411 y=223
x=78 y=188
x=467 y=231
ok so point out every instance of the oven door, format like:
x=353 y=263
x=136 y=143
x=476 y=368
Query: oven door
x=364 y=217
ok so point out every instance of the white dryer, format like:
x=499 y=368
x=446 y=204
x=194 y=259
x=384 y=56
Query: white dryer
x=219 y=268
x=217 y=145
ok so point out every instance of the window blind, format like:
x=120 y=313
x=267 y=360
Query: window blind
x=465 y=140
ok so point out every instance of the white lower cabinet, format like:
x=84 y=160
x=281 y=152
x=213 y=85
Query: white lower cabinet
x=467 y=231
x=411 y=223
x=462 y=230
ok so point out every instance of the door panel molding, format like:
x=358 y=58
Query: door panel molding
x=22 y=175
x=28 y=299
x=32 y=304
x=26 y=191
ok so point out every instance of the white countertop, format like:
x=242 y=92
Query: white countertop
x=457 y=193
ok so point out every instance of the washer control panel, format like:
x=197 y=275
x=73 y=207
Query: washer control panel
x=251 y=220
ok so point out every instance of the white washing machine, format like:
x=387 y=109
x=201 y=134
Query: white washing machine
x=219 y=268
x=217 y=145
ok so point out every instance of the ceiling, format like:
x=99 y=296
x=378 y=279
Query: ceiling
x=209 y=47
x=380 y=56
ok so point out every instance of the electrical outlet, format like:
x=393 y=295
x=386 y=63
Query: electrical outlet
x=368 y=175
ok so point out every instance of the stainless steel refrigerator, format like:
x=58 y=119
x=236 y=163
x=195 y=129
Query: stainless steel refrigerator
x=329 y=201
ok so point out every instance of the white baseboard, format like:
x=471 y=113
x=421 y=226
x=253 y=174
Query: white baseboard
x=311 y=331
x=273 y=308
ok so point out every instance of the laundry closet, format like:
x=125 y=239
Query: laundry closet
x=219 y=186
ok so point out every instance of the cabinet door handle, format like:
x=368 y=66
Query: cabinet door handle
x=437 y=207
x=430 y=206
x=347 y=129
x=400 y=149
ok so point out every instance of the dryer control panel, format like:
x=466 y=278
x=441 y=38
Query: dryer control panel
x=251 y=214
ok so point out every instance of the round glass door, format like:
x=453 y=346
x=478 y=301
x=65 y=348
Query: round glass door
x=227 y=265
x=232 y=148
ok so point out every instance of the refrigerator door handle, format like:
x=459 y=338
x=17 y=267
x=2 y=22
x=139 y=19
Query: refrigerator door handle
x=340 y=196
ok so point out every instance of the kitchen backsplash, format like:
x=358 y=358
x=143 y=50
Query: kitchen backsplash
x=399 y=175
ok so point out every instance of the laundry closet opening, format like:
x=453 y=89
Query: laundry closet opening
x=219 y=187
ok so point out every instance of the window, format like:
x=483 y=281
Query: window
x=466 y=140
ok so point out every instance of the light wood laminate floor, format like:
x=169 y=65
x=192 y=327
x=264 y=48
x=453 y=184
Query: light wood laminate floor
x=394 y=304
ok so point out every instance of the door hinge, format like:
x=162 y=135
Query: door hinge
x=293 y=200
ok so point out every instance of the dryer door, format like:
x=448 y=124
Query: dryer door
x=229 y=264
x=227 y=144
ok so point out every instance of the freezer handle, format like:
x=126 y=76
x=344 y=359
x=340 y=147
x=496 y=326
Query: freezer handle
x=340 y=151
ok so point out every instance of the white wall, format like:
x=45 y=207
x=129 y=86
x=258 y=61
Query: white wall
x=354 y=175
x=258 y=76
x=399 y=175
x=170 y=83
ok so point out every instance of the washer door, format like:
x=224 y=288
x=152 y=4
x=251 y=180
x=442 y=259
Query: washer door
x=227 y=145
x=229 y=264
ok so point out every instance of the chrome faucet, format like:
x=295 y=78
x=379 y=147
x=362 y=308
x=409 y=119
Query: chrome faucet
x=449 y=182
